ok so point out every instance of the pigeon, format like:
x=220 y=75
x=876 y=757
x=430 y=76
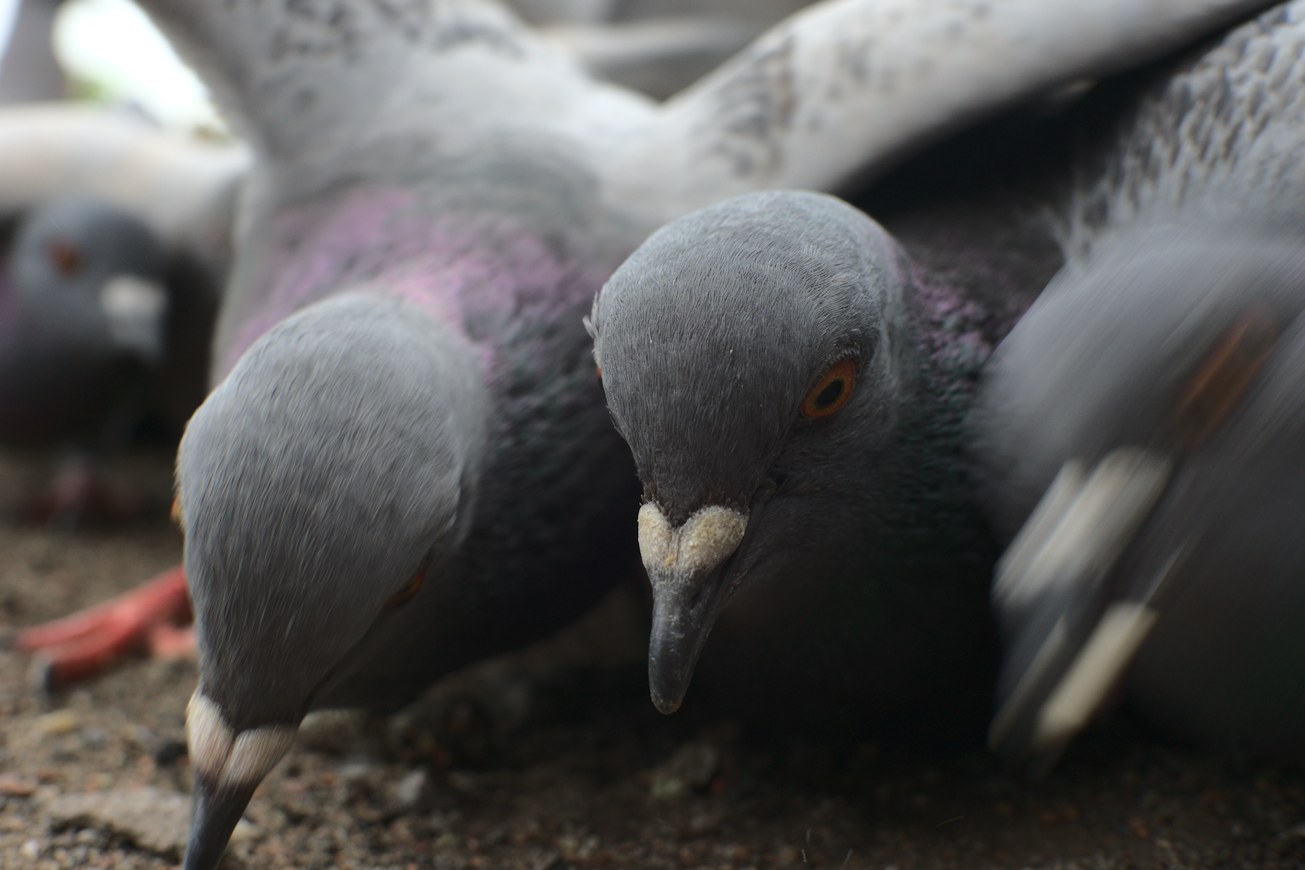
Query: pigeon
x=792 y=384
x=112 y=166
x=405 y=463
x=99 y=324
x=1134 y=433
x=85 y=300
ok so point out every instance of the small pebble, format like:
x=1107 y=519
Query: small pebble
x=169 y=752
x=413 y=792
x=692 y=766
x=335 y=732
x=355 y=769
x=151 y=818
x=57 y=723
x=12 y=786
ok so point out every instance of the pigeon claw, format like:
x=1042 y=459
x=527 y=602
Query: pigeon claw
x=79 y=646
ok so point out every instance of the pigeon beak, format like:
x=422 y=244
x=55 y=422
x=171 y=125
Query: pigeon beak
x=686 y=567
x=135 y=310
x=215 y=811
x=228 y=767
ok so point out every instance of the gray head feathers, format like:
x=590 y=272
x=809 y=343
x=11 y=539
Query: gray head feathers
x=710 y=335
x=323 y=475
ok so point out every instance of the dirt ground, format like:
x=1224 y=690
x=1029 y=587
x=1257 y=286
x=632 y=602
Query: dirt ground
x=555 y=759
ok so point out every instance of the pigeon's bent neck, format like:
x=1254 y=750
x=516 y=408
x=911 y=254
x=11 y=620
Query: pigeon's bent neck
x=928 y=515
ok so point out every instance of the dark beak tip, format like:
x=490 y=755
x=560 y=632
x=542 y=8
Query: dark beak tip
x=215 y=812
x=667 y=686
x=667 y=706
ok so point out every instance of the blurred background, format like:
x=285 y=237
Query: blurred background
x=98 y=50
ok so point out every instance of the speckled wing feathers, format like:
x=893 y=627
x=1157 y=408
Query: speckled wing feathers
x=889 y=76
x=290 y=77
x=1190 y=139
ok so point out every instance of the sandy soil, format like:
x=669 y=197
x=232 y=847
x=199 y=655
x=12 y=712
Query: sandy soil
x=550 y=760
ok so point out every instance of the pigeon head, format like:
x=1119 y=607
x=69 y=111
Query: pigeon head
x=90 y=268
x=82 y=309
x=748 y=355
x=320 y=485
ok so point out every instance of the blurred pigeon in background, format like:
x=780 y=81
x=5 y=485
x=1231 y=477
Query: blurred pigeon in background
x=1135 y=433
x=90 y=196
x=100 y=324
x=76 y=172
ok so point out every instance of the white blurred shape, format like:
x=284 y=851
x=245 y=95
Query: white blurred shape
x=8 y=15
x=112 y=44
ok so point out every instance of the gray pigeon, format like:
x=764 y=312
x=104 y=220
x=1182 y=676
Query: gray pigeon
x=1135 y=433
x=405 y=464
x=85 y=302
x=792 y=386
x=100 y=324
x=176 y=189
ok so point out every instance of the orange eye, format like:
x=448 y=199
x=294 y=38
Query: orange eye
x=65 y=257
x=832 y=391
x=409 y=592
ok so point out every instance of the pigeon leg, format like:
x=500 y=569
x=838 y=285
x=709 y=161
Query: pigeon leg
x=79 y=646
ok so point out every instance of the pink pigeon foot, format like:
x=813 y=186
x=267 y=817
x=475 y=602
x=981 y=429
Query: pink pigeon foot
x=150 y=617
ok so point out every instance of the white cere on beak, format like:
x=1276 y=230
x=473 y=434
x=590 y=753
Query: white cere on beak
x=225 y=758
x=134 y=309
x=705 y=540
